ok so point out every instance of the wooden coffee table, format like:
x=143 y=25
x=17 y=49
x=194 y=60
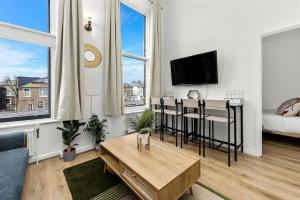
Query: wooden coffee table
x=163 y=172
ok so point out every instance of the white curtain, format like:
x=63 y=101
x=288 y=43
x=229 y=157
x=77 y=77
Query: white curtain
x=155 y=62
x=69 y=60
x=113 y=76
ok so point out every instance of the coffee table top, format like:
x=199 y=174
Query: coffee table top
x=158 y=166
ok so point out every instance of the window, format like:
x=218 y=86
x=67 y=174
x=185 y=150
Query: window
x=30 y=107
x=8 y=101
x=25 y=57
x=40 y=105
x=26 y=92
x=9 y=92
x=133 y=34
x=43 y=92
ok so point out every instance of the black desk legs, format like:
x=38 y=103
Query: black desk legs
x=235 y=145
x=176 y=128
x=161 y=126
x=242 y=129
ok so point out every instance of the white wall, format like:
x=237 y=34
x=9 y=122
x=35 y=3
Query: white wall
x=50 y=141
x=233 y=27
x=281 y=68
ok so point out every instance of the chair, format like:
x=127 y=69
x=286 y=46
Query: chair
x=221 y=105
x=191 y=109
x=155 y=106
x=170 y=107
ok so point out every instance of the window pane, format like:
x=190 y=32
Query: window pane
x=132 y=31
x=23 y=74
x=134 y=82
x=28 y=13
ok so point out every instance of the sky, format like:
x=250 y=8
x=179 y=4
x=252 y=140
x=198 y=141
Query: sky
x=132 y=36
x=19 y=58
x=23 y=59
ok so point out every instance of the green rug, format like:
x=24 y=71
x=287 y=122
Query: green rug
x=87 y=181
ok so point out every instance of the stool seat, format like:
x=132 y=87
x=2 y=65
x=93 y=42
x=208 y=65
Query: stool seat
x=219 y=119
x=157 y=110
x=171 y=112
x=194 y=115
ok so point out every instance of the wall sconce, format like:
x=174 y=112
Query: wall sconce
x=88 y=26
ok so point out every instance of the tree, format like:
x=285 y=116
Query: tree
x=12 y=85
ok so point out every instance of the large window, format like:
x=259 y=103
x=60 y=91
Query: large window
x=133 y=33
x=25 y=59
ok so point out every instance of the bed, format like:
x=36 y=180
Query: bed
x=277 y=124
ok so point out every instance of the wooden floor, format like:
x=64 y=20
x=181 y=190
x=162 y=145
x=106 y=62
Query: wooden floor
x=274 y=176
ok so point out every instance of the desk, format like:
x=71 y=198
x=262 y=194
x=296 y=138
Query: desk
x=163 y=172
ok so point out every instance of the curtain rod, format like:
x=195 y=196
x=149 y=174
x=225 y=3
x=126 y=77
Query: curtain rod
x=152 y=1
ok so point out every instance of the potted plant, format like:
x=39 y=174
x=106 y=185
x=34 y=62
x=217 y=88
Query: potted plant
x=69 y=133
x=96 y=128
x=143 y=125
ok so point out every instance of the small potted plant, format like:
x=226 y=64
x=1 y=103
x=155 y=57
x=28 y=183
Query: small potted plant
x=96 y=128
x=69 y=133
x=143 y=125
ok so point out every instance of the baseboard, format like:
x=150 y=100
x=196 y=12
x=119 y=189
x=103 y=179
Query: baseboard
x=59 y=153
x=44 y=156
x=251 y=152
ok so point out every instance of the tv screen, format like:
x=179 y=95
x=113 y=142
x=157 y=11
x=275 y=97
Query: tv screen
x=195 y=70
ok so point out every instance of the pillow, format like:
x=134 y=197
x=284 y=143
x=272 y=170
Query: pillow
x=288 y=108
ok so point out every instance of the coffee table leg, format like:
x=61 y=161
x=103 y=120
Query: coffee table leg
x=104 y=169
x=191 y=191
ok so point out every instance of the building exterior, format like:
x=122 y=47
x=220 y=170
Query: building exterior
x=134 y=93
x=25 y=94
x=33 y=96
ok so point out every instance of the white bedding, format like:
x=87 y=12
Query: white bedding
x=273 y=122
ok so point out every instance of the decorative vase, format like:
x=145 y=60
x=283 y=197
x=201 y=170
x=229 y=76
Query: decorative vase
x=69 y=155
x=143 y=139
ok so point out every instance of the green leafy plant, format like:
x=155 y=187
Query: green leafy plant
x=70 y=132
x=96 y=128
x=143 y=124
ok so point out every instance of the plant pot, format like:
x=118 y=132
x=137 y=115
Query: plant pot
x=98 y=146
x=69 y=156
x=144 y=138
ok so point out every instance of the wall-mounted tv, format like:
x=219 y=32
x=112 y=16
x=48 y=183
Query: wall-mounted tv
x=195 y=70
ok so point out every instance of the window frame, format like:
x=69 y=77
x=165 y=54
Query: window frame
x=42 y=103
x=30 y=107
x=24 y=92
x=144 y=8
x=41 y=93
x=32 y=36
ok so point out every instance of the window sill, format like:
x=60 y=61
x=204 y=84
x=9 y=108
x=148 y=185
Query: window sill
x=16 y=124
x=134 y=109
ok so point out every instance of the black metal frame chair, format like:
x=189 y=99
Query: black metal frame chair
x=196 y=116
x=155 y=106
x=168 y=105
x=222 y=105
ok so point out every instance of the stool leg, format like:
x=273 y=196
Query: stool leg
x=228 y=144
x=182 y=129
x=176 y=126
x=213 y=134
x=199 y=135
x=209 y=133
x=203 y=145
x=173 y=124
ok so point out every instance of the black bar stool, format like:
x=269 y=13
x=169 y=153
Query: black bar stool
x=170 y=108
x=221 y=105
x=191 y=109
x=155 y=106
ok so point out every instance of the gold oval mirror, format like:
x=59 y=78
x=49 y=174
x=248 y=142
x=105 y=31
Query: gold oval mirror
x=92 y=56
